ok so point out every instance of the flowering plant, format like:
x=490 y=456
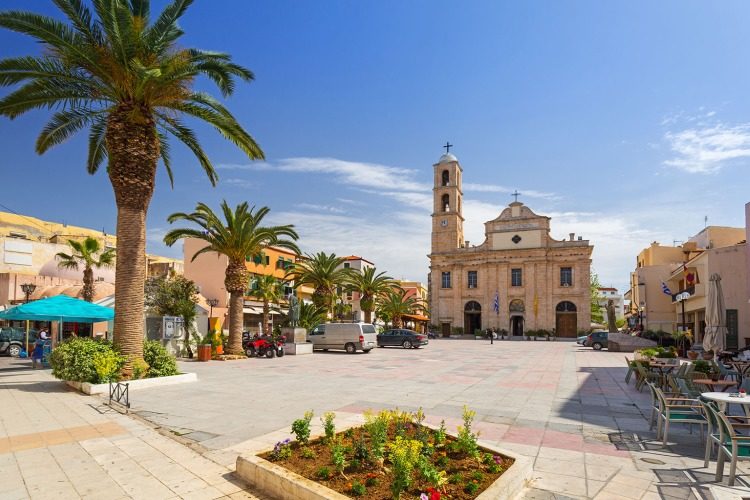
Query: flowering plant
x=281 y=450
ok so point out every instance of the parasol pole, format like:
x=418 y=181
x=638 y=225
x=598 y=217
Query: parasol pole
x=27 y=337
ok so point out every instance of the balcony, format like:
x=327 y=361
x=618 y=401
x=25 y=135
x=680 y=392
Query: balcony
x=690 y=290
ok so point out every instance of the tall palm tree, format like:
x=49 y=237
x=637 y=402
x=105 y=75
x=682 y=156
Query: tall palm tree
x=369 y=286
x=130 y=82
x=323 y=272
x=239 y=236
x=89 y=254
x=395 y=303
x=269 y=290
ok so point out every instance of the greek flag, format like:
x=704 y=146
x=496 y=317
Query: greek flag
x=665 y=289
x=496 y=304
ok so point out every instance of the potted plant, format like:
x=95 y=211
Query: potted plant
x=708 y=355
x=702 y=366
x=204 y=347
x=692 y=355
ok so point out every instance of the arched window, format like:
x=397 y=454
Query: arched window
x=472 y=306
x=517 y=306
x=446 y=203
x=566 y=306
x=446 y=178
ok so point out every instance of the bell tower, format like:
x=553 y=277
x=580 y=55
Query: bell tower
x=447 y=218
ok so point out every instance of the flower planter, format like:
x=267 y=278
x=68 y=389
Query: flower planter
x=143 y=383
x=708 y=356
x=692 y=355
x=204 y=352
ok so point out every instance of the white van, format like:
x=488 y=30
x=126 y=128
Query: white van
x=351 y=337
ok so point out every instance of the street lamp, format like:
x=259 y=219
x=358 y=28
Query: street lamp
x=28 y=289
x=681 y=298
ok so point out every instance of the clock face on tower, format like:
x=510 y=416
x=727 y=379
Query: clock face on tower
x=444 y=222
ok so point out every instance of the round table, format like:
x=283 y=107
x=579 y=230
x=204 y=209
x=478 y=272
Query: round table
x=723 y=398
x=713 y=384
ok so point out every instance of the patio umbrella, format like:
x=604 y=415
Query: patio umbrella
x=716 y=330
x=60 y=308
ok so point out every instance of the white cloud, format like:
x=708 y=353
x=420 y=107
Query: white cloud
x=237 y=182
x=360 y=174
x=708 y=148
x=492 y=188
x=258 y=165
x=320 y=208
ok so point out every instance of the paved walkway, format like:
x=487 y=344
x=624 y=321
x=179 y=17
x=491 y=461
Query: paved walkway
x=566 y=407
x=56 y=443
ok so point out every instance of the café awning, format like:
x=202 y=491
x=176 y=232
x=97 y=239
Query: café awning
x=60 y=308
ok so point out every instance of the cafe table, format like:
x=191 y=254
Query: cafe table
x=724 y=398
x=715 y=384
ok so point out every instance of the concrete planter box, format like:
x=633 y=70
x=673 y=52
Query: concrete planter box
x=87 y=388
x=279 y=482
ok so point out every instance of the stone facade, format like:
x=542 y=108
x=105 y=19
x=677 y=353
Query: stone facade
x=538 y=282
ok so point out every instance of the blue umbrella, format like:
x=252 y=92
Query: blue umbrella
x=60 y=308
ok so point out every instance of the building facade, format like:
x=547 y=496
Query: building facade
x=519 y=278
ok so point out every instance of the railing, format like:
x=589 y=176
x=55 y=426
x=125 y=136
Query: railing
x=119 y=393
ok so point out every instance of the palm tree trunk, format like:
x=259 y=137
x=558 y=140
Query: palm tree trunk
x=368 y=316
x=235 y=282
x=266 y=319
x=133 y=150
x=236 y=303
x=87 y=292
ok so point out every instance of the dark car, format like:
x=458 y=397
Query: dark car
x=402 y=337
x=597 y=340
x=12 y=340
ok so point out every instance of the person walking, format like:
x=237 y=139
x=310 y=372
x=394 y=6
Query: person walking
x=37 y=355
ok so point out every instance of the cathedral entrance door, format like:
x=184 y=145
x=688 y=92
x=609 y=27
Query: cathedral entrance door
x=516 y=325
x=566 y=320
x=472 y=317
x=446 y=329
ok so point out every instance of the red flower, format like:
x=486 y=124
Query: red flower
x=434 y=494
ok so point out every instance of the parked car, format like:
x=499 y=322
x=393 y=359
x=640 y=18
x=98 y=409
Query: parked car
x=597 y=340
x=582 y=339
x=402 y=337
x=12 y=340
x=351 y=337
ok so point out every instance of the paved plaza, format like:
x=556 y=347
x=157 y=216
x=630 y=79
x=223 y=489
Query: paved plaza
x=566 y=407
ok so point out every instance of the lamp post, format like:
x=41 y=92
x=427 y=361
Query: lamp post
x=27 y=289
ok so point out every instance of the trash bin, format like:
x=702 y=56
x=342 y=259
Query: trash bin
x=204 y=352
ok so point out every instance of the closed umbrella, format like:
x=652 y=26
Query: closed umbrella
x=716 y=330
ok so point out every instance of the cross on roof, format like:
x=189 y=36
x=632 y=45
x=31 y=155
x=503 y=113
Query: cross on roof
x=448 y=147
x=516 y=194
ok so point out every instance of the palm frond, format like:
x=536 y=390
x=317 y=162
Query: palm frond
x=64 y=124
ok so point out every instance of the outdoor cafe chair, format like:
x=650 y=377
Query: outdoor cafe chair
x=731 y=445
x=680 y=410
x=725 y=372
x=655 y=408
x=644 y=376
x=631 y=370
x=713 y=430
x=687 y=389
x=682 y=370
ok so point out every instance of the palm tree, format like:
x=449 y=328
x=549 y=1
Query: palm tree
x=130 y=83
x=310 y=315
x=395 y=303
x=89 y=254
x=270 y=291
x=369 y=286
x=323 y=272
x=239 y=236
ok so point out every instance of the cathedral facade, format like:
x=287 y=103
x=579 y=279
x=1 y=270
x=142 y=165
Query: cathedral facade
x=518 y=279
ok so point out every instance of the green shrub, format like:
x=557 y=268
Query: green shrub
x=301 y=428
x=471 y=488
x=86 y=360
x=702 y=366
x=328 y=424
x=323 y=473
x=466 y=441
x=308 y=453
x=358 y=489
x=455 y=478
x=140 y=369
x=160 y=362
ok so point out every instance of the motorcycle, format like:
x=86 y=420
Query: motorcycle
x=263 y=345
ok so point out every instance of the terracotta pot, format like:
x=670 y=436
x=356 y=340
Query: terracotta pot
x=707 y=356
x=204 y=352
x=693 y=355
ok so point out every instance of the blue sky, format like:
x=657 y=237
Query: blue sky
x=626 y=122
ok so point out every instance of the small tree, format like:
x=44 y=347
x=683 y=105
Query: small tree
x=270 y=291
x=173 y=296
x=89 y=254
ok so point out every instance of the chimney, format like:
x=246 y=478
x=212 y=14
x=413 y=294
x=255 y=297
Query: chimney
x=572 y=236
x=467 y=243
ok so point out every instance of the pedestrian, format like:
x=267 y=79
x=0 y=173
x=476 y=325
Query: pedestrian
x=38 y=353
x=43 y=333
